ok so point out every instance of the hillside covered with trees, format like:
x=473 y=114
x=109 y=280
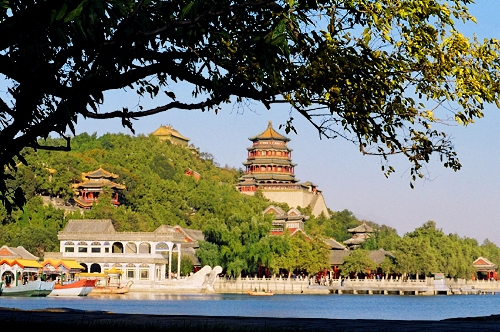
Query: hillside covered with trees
x=237 y=234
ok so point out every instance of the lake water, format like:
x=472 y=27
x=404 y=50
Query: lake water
x=300 y=306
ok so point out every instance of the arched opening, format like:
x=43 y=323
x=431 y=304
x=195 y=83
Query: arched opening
x=117 y=248
x=131 y=248
x=144 y=248
x=8 y=278
x=95 y=268
x=162 y=248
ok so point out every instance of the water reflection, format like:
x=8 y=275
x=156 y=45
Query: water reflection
x=283 y=306
x=169 y=297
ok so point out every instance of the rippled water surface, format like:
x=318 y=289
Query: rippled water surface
x=300 y=306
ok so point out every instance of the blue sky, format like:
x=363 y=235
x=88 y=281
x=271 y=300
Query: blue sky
x=464 y=202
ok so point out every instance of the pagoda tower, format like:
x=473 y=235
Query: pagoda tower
x=269 y=168
x=269 y=164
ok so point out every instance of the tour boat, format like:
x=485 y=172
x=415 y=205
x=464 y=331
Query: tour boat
x=108 y=289
x=31 y=288
x=260 y=293
x=81 y=287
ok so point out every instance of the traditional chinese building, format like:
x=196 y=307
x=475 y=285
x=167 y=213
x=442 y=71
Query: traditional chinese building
x=359 y=235
x=16 y=263
x=168 y=133
x=269 y=168
x=93 y=184
x=291 y=220
x=64 y=269
x=486 y=270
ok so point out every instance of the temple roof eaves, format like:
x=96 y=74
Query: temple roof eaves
x=269 y=134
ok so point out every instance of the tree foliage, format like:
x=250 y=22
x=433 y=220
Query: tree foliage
x=237 y=234
x=336 y=226
x=358 y=262
x=428 y=250
x=378 y=73
x=420 y=253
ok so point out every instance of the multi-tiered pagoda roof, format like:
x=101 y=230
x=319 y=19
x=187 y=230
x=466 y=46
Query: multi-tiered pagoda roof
x=269 y=164
x=269 y=168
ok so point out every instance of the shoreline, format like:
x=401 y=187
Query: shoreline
x=144 y=322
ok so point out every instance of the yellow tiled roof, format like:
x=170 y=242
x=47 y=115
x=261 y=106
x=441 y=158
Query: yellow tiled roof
x=169 y=131
x=69 y=264
x=99 y=184
x=100 y=173
x=269 y=133
x=21 y=262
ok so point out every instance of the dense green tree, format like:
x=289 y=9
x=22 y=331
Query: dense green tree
x=242 y=243
x=357 y=262
x=383 y=237
x=491 y=251
x=376 y=72
x=335 y=227
x=209 y=254
x=415 y=256
x=298 y=253
x=282 y=254
x=388 y=266
x=35 y=228
x=433 y=251
x=286 y=259
x=313 y=254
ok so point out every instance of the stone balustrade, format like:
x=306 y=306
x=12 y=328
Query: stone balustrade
x=427 y=286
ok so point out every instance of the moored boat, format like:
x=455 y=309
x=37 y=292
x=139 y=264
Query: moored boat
x=81 y=287
x=108 y=289
x=260 y=293
x=30 y=289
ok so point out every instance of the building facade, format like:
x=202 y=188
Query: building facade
x=269 y=168
x=292 y=220
x=143 y=257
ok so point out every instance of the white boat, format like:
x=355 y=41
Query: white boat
x=30 y=289
x=80 y=287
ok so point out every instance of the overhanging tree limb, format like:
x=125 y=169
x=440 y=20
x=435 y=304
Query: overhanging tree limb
x=370 y=71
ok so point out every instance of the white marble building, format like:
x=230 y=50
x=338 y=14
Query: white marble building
x=143 y=257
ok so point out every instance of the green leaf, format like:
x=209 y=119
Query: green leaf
x=61 y=12
x=187 y=9
x=74 y=13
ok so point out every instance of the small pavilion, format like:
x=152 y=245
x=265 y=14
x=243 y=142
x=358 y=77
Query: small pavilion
x=486 y=270
x=94 y=184
x=359 y=235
